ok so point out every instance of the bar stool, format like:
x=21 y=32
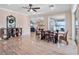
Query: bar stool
x=4 y=33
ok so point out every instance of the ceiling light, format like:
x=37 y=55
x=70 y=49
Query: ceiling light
x=31 y=10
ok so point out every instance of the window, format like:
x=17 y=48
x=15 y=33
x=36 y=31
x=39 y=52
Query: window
x=56 y=24
x=60 y=25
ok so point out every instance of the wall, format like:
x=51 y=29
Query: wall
x=46 y=22
x=21 y=20
x=69 y=23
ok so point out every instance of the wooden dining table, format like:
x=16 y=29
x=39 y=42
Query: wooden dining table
x=48 y=35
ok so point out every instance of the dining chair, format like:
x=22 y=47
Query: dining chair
x=64 y=38
x=52 y=37
x=47 y=35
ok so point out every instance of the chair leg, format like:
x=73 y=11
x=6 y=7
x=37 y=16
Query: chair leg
x=59 y=40
x=67 y=42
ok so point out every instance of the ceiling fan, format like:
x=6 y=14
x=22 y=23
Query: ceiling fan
x=30 y=7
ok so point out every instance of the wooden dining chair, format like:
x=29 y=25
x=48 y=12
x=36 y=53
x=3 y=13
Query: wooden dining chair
x=52 y=36
x=64 y=38
x=42 y=35
x=47 y=36
x=38 y=33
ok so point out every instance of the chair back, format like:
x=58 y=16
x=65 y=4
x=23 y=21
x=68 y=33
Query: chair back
x=65 y=36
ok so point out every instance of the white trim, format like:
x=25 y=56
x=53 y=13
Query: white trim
x=73 y=21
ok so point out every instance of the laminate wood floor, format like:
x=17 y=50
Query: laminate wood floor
x=29 y=45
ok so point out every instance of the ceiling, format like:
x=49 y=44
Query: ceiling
x=44 y=8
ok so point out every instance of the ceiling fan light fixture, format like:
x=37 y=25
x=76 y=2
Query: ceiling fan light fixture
x=51 y=7
x=31 y=10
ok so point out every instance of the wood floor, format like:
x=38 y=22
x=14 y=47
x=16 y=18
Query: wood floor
x=29 y=45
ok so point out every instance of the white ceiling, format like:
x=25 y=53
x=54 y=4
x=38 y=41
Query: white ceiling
x=44 y=8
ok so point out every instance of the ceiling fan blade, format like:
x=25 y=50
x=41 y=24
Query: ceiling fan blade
x=36 y=8
x=25 y=7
